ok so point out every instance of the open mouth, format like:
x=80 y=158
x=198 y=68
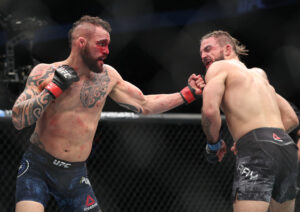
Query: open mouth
x=101 y=59
x=207 y=62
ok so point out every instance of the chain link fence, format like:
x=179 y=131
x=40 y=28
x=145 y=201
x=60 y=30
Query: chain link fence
x=139 y=164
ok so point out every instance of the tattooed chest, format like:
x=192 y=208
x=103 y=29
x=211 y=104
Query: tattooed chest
x=94 y=90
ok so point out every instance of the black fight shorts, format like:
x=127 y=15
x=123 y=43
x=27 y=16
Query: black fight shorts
x=266 y=166
x=41 y=175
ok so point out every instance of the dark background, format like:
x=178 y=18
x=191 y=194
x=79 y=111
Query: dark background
x=155 y=44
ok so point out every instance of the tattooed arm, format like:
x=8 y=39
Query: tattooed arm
x=129 y=96
x=33 y=100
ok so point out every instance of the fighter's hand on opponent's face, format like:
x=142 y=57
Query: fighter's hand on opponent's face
x=194 y=89
x=64 y=76
x=197 y=83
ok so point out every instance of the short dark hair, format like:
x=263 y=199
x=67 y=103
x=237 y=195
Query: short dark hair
x=224 y=38
x=96 y=21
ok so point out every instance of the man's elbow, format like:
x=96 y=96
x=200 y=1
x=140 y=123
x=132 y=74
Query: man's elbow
x=146 y=111
x=17 y=123
x=209 y=112
x=296 y=121
x=292 y=123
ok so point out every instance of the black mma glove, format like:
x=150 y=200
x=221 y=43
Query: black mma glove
x=189 y=95
x=211 y=152
x=64 y=76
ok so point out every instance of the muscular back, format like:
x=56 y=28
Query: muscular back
x=248 y=101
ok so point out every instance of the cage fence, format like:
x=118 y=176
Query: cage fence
x=139 y=164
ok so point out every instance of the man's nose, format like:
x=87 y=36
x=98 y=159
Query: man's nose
x=203 y=55
x=105 y=51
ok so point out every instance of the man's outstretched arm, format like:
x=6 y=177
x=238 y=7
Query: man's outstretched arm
x=132 y=98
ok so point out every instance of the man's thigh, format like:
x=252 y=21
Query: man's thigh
x=250 y=206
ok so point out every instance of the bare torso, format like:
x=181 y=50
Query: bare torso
x=67 y=127
x=249 y=101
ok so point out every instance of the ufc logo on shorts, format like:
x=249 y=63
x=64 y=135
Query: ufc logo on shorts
x=244 y=171
x=61 y=164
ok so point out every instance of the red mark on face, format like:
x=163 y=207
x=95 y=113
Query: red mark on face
x=102 y=46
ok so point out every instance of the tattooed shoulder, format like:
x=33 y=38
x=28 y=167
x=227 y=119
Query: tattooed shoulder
x=38 y=75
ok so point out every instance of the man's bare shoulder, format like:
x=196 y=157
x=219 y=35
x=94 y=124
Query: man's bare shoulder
x=221 y=67
x=227 y=65
x=41 y=69
x=40 y=76
x=112 y=72
x=259 y=71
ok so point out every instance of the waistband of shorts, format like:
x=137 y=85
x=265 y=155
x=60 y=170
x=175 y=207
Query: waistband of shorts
x=259 y=130
x=55 y=162
x=255 y=132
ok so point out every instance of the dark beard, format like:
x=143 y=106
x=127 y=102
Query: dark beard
x=221 y=57
x=90 y=62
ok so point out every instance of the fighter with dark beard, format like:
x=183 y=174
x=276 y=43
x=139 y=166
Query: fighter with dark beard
x=65 y=100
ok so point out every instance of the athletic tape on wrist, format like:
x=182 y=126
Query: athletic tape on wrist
x=215 y=146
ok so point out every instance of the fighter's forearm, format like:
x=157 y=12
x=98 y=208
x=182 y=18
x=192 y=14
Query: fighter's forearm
x=153 y=104
x=211 y=127
x=27 y=112
x=161 y=103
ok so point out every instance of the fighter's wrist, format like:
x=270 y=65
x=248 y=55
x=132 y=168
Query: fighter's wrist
x=214 y=146
x=188 y=94
x=54 y=90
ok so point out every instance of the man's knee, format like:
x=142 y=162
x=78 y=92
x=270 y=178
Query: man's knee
x=29 y=206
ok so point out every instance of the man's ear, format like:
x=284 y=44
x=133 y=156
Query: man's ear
x=227 y=50
x=81 y=42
